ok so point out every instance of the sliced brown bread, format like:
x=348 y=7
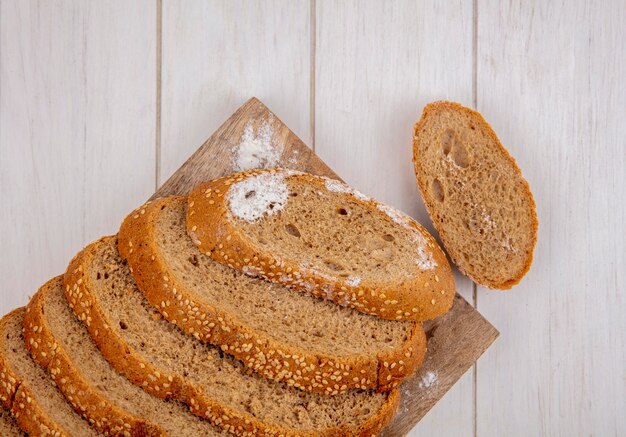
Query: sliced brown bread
x=321 y=237
x=479 y=202
x=29 y=392
x=169 y=363
x=8 y=425
x=59 y=342
x=309 y=343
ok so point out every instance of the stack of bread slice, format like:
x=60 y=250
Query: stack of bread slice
x=269 y=302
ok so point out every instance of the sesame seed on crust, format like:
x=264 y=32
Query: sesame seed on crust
x=230 y=334
x=165 y=385
x=17 y=395
x=235 y=247
x=67 y=377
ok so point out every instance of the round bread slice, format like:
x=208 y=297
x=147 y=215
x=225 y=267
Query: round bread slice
x=475 y=193
x=8 y=425
x=156 y=355
x=321 y=237
x=59 y=342
x=306 y=342
x=29 y=392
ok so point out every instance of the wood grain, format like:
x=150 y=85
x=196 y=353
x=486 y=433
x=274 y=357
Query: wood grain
x=377 y=64
x=218 y=53
x=456 y=340
x=77 y=87
x=550 y=80
x=77 y=107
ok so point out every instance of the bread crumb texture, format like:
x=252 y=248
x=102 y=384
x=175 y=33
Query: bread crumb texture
x=168 y=363
x=29 y=392
x=322 y=237
x=59 y=341
x=8 y=425
x=479 y=202
x=291 y=337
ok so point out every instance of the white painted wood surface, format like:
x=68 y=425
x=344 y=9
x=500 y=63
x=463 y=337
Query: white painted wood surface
x=551 y=80
x=92 y=113
x=77 y=129
x=216 y=55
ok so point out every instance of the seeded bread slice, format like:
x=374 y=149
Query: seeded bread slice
x=479 y=202
x=309 y=343
x=59 y=342
x=168 y=363
x=321 y=237
x=29 y=392
x=8 y=425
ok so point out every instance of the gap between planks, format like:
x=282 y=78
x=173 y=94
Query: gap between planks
x=474 y=285
x=312 y=116
x=159 y=64
x=313 y=66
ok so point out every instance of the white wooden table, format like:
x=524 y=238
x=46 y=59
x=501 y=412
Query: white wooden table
x=101 y=101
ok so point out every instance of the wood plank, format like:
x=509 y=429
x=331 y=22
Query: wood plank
x=551 y=81
x=216 y=156
x=218 y=53
x=77 y=110
x=456 y=340
x=377 y=64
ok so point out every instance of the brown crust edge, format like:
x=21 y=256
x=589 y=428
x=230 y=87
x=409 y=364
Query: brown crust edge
x=170 y=386
x=31 y=417
x=418 y=300
x=432 y=107
x=18 y=398
x=107 y=417
x=262 y=354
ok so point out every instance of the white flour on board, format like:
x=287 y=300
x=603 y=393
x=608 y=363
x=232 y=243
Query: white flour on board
x=429 y=379
x=257 y=149
x=410 y=395
x=293 y=159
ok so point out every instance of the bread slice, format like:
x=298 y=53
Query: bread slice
x=321 y=237
x=309 y=343
x=157 y=355
x=29 y=392
x=59 y=342
x=8 y=425
x=479 y=202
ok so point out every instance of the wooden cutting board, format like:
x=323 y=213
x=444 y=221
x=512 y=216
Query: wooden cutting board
x=455 y=341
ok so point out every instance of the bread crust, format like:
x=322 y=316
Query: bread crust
x=430 y=204
x=273 y=359
x=426 y=295
x=32 y=418
x=101 y=414
x=165 y=385
x=18 y=398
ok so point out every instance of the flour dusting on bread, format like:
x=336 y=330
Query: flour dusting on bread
x=339 y=187
x=314 y=235
x=354 y=281
x=258 y=195
x=257 y=150
x=395 y=215
x=488 y=222
x=423 y=260
x=475 y=194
